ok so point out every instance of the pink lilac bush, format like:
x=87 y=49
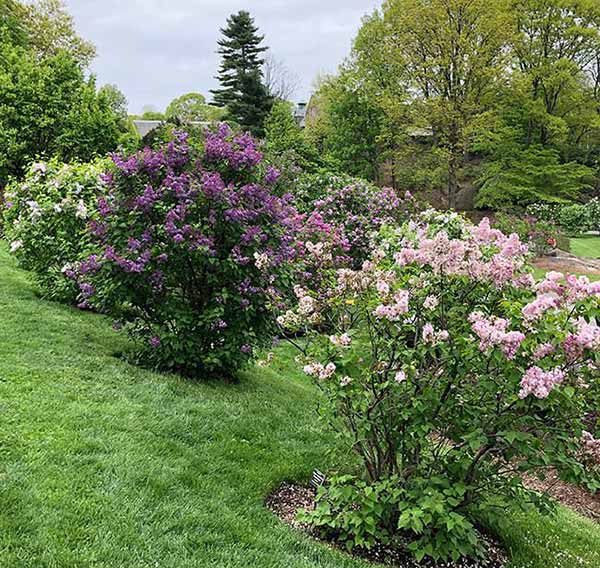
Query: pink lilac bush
x=457 y=373
x=192 y=252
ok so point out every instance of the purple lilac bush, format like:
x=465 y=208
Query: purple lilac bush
x=359 y=210
x=193 y=251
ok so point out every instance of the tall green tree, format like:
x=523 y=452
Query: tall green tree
x=48 y=108
x=51 y=29
x=284 y=140
x=449 y=55
x=12 y=23
x=541 y=137
x=348 y=125
x=242 y=92
x=192 y=107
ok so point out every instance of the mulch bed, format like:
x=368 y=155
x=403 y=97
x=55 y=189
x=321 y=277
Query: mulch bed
x=288 y=499
x=569 y=495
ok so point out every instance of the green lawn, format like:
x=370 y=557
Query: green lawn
x=106 y=465
x=588 y=247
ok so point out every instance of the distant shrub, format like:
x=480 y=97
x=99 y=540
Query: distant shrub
x=310 y=187
x=360 y=209
x=45 y=221
x=574 y=218
x=194 y=252
x=541 y=236
x=592 y=208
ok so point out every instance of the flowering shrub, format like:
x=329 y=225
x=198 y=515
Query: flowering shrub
x=450 y=373
x=192 y=251
x=542 y=237
x=359 y=210
x=45 y=219
x=573 y=218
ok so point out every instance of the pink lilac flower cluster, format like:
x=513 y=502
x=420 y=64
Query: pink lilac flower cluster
x=540 y=383
x=586 y=336
x=492 y=332
x=320 y=371
x=394 y=311
x=485 y=254
x=433 y=336
x=557 y=291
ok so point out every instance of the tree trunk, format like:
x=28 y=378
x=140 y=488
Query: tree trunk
x=453 y=165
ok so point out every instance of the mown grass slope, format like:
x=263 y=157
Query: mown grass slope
x=106 y=465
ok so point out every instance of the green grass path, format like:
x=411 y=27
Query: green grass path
x=106 y=465
x=587 y=247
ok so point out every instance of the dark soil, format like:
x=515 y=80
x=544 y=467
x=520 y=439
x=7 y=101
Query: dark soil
x=288 y=499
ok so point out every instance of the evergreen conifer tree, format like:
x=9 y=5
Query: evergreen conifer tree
x=242 y=91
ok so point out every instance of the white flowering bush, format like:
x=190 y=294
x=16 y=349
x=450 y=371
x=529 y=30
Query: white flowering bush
x=45 y=219
x=572 y=217
x=449 y=372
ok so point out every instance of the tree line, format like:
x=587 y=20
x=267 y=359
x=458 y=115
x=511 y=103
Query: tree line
x=502 y=94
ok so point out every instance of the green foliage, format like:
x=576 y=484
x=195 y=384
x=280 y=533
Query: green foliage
x=284 y=141
x=51 y=30
x=12 y=29
x=48 y=108
x=242 y=91
x=525 y=175
x=192 y=107
x=574 y=218
x=507 y=92
x=45 y=221
x=347 y=126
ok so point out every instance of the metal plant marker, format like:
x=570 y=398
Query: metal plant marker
x=318 y=478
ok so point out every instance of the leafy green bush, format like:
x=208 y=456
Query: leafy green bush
x=194 y=250
x=530 y=175
x=573 y=217
x=45 y=221
x=449 y=373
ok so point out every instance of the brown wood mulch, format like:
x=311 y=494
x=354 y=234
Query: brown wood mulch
x=567 y=494
x=288 y=499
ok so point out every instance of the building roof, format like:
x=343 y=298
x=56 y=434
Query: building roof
x=143 y=127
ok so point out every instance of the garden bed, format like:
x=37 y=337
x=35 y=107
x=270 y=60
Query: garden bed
x=288 y=499
x=567 y=494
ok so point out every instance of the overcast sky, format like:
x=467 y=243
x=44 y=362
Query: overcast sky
x=156 y=50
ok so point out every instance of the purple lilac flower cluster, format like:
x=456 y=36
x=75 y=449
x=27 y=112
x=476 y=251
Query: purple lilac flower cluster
x=192 y=251
x=359 y=210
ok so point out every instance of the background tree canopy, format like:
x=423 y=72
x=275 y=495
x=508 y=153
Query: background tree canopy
x=447 y=95
x=48 y=107
x=192 y=107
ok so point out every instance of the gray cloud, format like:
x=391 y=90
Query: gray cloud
x=155 y=50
